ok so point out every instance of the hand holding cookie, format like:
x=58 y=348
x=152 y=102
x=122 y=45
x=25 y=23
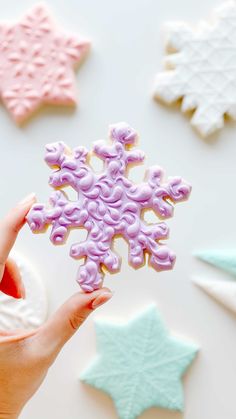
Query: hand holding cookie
x=25 y=357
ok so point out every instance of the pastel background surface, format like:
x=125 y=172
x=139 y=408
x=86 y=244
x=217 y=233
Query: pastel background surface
x=114 y=84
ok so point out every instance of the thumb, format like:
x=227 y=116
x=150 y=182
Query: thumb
x=68 y=318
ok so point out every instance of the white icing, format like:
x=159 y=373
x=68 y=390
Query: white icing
x=202 y=69
x=223 y=292
x=30 y=312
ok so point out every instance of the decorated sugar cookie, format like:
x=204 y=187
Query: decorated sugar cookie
x=37 y=63
x=224 y=259
x=108 y=204
x=223 y=291
x=201 y=69
x=28 y=313
x=139 y=364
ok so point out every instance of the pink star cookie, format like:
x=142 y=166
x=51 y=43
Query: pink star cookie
x=37 y=64
x=108 y=204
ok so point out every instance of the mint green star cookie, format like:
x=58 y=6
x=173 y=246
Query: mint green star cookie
x=139 y=364
x=224 y=259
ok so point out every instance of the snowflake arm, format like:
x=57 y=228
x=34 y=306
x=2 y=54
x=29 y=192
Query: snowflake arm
x=61 y=214
x=108 y=204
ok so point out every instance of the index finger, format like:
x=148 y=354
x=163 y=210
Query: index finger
x=10 y=227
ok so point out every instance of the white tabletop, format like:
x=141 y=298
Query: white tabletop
x=115 y=83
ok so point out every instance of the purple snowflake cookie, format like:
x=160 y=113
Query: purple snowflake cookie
x=108 y=204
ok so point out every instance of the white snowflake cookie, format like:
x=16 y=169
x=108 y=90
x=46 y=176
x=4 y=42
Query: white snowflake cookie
x=201 y=69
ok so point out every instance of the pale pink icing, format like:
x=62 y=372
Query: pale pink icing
x=37 y=64
x=108 y=204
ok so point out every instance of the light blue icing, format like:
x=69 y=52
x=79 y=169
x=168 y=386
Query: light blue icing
x=139 y=364
x=224 y=259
